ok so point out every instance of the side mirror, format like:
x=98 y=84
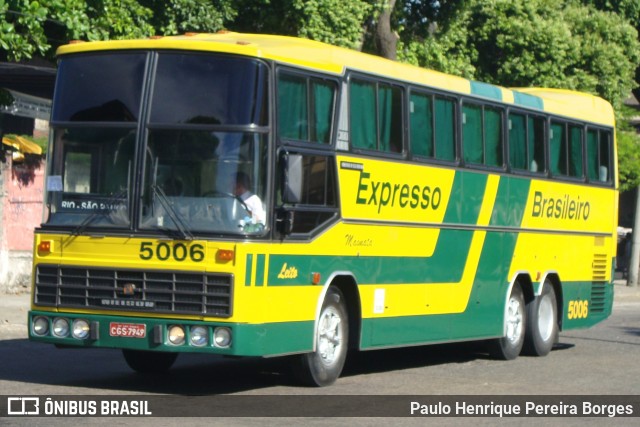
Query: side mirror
x=292 y=178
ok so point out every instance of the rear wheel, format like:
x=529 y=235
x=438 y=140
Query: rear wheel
x=510 y=346
x=542 y=327
x=149 y=362
x=323 y=366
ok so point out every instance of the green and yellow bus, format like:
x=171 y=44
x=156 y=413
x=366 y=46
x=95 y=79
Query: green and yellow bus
x=255 y=195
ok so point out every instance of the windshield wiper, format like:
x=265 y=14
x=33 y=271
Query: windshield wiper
x=91 y=217
x=177 y=219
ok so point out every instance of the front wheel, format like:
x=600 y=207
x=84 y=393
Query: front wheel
x=510 y=346
x=149 y=362
x=323 y=366
x=542 y=327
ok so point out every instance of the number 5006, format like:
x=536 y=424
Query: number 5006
x=178 y=251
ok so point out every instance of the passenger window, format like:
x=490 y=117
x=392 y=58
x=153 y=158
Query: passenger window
x=305 y=108
x=421 y=125
x=482 y=135
x=445 y=124
x=575 y=152
x=376 y=116
x=558 y=149
x=598 y=155
x=526 y=143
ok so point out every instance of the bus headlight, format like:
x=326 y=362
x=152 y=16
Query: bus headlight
x=40 y=326
x=199 y=336
x=222 y=337
x=176 y=335
x=61 y=327
x=80 y=329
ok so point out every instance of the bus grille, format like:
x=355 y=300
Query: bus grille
x=599 y=267
x=122 y=289
x=598 y=297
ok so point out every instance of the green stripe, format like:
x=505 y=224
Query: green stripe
x=526 y=100
x=260 y=270
x=444 y=266
x=266 y=339
x=511 y=201
x=247 y=271
x=483 y=318
x=486 y=90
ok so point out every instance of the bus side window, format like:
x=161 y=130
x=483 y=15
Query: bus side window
x=605 y=157
x=535 y=138
x=575 y=152
x=421 y=125
x=472 y=134
x=598 y=157
x=482 y=135
x=526 y=143
x=445 y=129
x=558 y=149
x=305 y=108
x=518 y=154
x=375 y=114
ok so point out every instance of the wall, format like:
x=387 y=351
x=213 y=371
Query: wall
x=21 y=190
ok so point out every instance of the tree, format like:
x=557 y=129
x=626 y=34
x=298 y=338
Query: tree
x=29 y=28
x=336 y=22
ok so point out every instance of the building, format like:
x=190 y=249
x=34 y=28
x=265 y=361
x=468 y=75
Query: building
x=25 y=102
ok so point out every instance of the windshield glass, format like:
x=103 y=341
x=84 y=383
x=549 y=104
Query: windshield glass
x=196 y=164
x=204 y=181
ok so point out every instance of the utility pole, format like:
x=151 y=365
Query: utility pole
x=634 y=260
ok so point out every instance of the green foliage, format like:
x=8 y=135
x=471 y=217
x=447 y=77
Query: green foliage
x=337 y=22
x=180 y=16
x=628 y=159
x=535 y=43
x=29 y=28
x=587 y=45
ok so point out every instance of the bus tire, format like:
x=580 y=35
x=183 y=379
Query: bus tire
x=542 y=326
x=324 y=366
x=510 y=346
x=149 y=362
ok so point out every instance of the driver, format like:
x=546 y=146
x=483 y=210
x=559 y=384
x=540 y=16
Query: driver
x=252 y=201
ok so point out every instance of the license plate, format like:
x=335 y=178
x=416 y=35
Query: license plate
x=128 y=330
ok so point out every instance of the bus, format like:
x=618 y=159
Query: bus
x=258 y=195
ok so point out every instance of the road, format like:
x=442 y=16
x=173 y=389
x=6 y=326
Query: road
x=603 y=360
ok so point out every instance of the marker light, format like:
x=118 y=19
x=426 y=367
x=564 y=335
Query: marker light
x=222 y=337
x=41 y=326
x=199 y=336
x=224 y=255
x=44 y=247
x=61 y=327
x=80 y=329
x=176 y=335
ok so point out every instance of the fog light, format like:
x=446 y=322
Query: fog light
x=199 y=336
x=41 y=326
x=80 y=329
x=176 y=335
x=61 y=327
x=222 y=337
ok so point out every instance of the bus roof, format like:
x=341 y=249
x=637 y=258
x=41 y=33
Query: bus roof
x=335 y=60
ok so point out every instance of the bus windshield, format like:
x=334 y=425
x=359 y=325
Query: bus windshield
x=193 y=161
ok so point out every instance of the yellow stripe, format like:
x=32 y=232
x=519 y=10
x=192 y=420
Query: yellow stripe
x=437 y=298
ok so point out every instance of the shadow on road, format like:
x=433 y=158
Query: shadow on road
x=195 y=374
